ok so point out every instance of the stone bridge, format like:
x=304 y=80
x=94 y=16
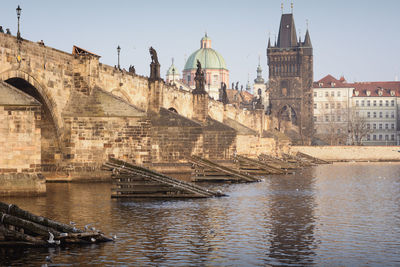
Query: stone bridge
x=91 y=111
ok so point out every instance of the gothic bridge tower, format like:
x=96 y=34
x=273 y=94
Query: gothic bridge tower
x=290 y=63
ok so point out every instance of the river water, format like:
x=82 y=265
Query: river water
x=344 y=214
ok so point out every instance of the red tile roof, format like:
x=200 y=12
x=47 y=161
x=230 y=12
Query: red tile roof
x=331 y=82
x=374 y=87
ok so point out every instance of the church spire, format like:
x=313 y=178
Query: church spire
x=259 y=78
x=269 y=42
x=307 y=40
x=287 y=36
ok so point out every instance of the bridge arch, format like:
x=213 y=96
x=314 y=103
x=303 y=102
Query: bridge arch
x=50 y=125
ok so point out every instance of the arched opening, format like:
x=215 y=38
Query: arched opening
x=288 y=114
x=50 y=146
x=173 y=110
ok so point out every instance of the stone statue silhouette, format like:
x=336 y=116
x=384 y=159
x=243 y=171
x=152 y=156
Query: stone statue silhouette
x=233 y=85
x=1 y=29
x=153 y=53
x=237 y=86
x=154 y=65
x=224 y=97
x=199 y=80
x=8 y=31
x=132 y=69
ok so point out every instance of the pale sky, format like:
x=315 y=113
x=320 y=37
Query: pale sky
x=358 y=39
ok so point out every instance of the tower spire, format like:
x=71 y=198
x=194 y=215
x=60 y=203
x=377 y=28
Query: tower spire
x=282 y=7
x=291 y=6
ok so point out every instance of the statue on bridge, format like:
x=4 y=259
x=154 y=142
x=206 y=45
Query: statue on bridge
x=132 y=69
x=1 y=29
x=199 y=80
x=154 y=65
x=224 y=97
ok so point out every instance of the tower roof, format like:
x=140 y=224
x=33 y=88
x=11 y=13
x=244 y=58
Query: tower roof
x=307 y=40
x=287 y=32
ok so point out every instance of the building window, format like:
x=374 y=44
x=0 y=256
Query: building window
x=368 y=126
x=380 y=103
x=339 y=118
x=326 y=118
x=392 y=114
x=333 y=105
x=380 y=126
x=326 y=105
x=368 y=137
x=315 y=105
x=338 y=93
x=315 y=118
x=374 y=103
x=333 y=117
x=357 y=113
x=392 y=126
x=387 y=114
x=380 y=115
x=357 y=104
x=374 y=114
x=392 y=103
x=188 y=78
x=380 y=137
x=368 y=103
x=338 y=105
x=392 y=137
x=387 y=103
x=386 y=126
x=374 y=126
x=386 y=137
x=326 y=94
x=362 y=103
x=374 y=137
x=368 y=114
x=315 y=94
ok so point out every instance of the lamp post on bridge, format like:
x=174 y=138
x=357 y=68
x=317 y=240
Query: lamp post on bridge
x=18 y=16
x=118 y=50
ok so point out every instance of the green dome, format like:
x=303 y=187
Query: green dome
x=208 y=57
x=172 y=70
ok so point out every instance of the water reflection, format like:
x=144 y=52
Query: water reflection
x=292 y=213
x=341 y=214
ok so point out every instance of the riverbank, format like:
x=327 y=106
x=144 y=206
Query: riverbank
x=351 y=153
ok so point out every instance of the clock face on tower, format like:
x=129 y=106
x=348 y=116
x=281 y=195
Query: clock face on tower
x=287 y=26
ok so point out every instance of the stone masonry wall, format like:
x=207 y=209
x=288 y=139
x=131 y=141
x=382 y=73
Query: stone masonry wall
x=20 y=149
x=91 y=141
x=19 y=139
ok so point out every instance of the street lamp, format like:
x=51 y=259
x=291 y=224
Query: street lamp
x=118 y=50
x=18 y=16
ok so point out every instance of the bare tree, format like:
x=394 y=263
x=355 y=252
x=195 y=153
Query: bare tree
x=358 y=129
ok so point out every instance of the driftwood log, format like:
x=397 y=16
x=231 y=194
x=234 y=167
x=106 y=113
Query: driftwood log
x=22 y=228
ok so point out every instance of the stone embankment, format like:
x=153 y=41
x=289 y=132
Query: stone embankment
x=351 y=153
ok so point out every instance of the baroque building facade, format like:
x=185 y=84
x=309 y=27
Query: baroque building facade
x=290 y=63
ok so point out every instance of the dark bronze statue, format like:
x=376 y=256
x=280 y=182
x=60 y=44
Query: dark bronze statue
x=1 y=29
x=199 y=80
x=132 y=69
x=8 y=31
x=153 y=53
x=224 y=97
x=237 y=86
x=154 y=65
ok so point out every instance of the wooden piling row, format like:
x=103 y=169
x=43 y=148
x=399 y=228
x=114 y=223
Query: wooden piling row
x=22 y=228
x=206 y=170
x=255 y=166
x=131 y=181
